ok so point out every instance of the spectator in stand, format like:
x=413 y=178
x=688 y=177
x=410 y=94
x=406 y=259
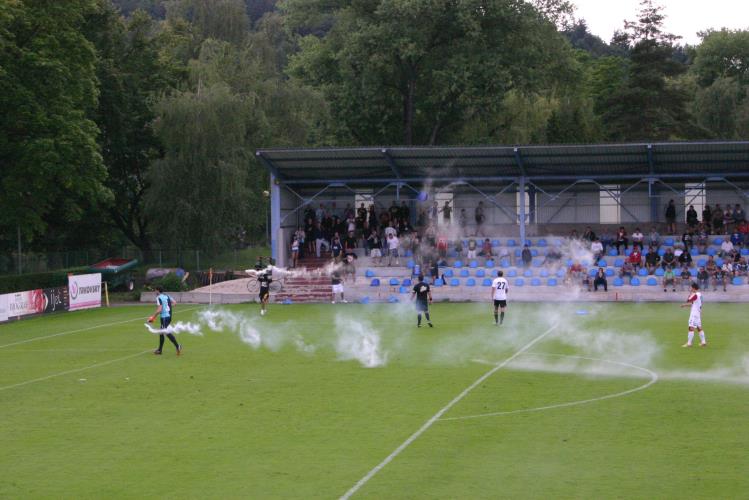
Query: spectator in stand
x=480 y=219
x=472 y=248
x=320 y=241
x=375 y=245
x=320 y=213
x=727 y=219
x=701 y=239
x=442 y=246
x=447 y=213
x=434 y=270
x=678 y=250
x=600 y=280
x=726 y=248
x=621 y=240
x=597 y=248
x=727 y=268
x=390 y=229
x=635 y=258
x=295 y=251
x=638 y=238
x=309 y=228
x=712 y=266
x=486 y=248
x=392 y=243
x=433 y=213
x=606 y=239
x=652 y=259
x=687 y=238
x=574 y=272
x=301 y=236
x=743 y=229
x=669 y=259
x=553 y=256
x=703 y=277
x=574 y=235
x=707 y=217
x=463 y=222
x=717 y=219
x=372 y=217
x=685 y=259
x=627 y=271
x=671 y=217
x=669 y=279
x=691 y=217
x=654 y=239
x=586 y=281
x=685 y=278
x=404 y=212
x=589 y=235
x=526 y=256
x=719 y=279
x=741 y=268
x=350 y=243
x=394 y=210
x=736 y=239
x=336 y=249
x=738 y=215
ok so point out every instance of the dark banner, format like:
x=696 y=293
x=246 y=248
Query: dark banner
x=56 y=299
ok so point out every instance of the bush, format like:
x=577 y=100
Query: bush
x=170 y=283
x=21 y=282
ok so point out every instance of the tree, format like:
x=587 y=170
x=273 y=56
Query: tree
x=649 y=105
x=50 y=159
x=400 y=71
x=722 y=54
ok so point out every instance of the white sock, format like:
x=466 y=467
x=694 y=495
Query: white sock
x=690 y=337
x=702 y=336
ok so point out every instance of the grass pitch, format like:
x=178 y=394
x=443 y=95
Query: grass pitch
x=88 y=412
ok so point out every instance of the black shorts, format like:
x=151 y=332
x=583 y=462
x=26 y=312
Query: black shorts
x=500 y=303
x=263 y=294
x=165 y=321
x=422 y=306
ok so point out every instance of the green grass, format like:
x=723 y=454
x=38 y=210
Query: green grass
x=90 y=413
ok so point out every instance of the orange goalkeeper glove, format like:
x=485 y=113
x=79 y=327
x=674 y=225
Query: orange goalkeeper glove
x=151 y=319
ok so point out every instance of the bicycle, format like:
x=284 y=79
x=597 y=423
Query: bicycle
x=254 y=287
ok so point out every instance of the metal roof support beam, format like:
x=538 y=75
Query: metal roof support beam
x=493 y=201
x=270 y=166
x=519 y=162
x=738 y=189
x=618 y=198
x=393 y=166
x=654 y=201
x=521 y=192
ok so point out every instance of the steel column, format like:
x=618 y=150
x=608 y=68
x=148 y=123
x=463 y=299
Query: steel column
x=521 y=203
x=275 y=220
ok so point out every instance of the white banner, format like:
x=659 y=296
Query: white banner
x=25 y=303
x=84 y=291
x=3 y=307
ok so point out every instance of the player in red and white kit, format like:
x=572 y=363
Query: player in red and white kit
x=695 y=316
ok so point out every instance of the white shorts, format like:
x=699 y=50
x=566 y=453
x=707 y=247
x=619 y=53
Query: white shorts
x=375 y=252
x=695 y=322
x=337 y=288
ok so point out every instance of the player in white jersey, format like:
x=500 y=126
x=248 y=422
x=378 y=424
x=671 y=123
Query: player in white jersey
x=499 y=296
x=695 y=316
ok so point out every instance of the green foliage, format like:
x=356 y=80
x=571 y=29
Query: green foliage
x=722 y=54
x=51 y=162
x=18 y=283
x=169 y=283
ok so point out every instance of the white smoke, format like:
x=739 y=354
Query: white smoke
x=177 y=328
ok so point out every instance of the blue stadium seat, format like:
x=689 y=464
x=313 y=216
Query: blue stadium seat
x=534 y=252
x=712 y=251
x=551 y=282
x=652 y=281
x=718 y=261
x=495 y=243
x=737 y=281
x=542 y=243
x=642 y=272
x=537 y=262
x=394 y=282
x=364 y=300
x=669 y=242
x=618 y=282
x=660 y=272
x=718 y=242
x=612 y=252
x=745 y=251
x=408 y=253
x=701 y=262
x=561 y=273
x=448 y=273
x=511 y=243
x=512 y=273
x=410 y=264
x=544 y=273
x=518 y=253
x=627 y=252
x=519 y=282
x=465 y=243
x=693 y=272
x=527 y=273
x=585 y=263
x=452 y=254
x=438 y=282
x=592 y=272
x=529 y=242
x=568 y=262
x=393 y=299
x=504 y=263
x=473 y=264
x=403 y=289
x=535 y=282
x=470 y=282
x=610 y=272
x=480 y=273
x=618 y=262
x=558 y=243
x=458 y=264
x=454 y=282
x=489 y=263
x=634 y=282
x=407 y=282
x=661 y=251
x=464 y=273
x=602 y=263
x=369 y=273
x=486 y=282
x=375 y=282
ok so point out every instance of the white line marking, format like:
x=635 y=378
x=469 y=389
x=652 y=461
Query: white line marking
x=140 y=318
x=653 y=380
x=83 y=349
x=76 y=370
x=439 y=414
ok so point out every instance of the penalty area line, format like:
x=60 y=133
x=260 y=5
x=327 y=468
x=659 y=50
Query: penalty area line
x=437 y=416
x=75 y=370
x=89 y=328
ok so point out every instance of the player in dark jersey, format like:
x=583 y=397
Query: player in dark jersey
x=264 y=278
x=422 y=295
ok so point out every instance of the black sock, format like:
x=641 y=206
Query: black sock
x=496 y=317
x=427 y=317
x=418 y=321
x=161 y=341
x=174 y=340
x=501 y=317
